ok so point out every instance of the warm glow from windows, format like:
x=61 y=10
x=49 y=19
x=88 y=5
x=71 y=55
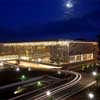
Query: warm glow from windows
x=82 y=57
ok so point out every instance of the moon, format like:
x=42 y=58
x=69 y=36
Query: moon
x=69 y=4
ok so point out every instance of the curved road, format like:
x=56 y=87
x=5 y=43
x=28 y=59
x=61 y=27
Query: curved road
x=55 y=91
x=59 y=89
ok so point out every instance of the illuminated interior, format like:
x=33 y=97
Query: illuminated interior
x=56 y=52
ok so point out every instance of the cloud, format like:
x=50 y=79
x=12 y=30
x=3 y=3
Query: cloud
x=87 y=23
x=75 y=27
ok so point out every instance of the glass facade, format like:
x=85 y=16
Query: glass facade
x=82 y=57
x=59 y=52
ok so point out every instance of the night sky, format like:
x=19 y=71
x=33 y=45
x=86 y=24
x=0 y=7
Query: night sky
x=27 y=20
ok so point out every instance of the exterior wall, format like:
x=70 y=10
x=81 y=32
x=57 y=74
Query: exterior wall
x=83 y=52
x=59 y=52
x=82 y=57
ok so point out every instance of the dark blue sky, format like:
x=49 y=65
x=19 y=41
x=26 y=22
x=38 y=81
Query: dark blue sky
x=49 y=19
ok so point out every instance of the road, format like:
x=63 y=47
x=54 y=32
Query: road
x=64 y=91
x=56 y=92
x=86 y=81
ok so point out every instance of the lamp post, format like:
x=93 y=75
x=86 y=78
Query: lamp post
x=94 y=73
x=48 y=93
x=91 y=96
x=23 y=77
x=59 y=72
x=17 y=69
x=39 y=84
x=49 y=96
x=29 y=69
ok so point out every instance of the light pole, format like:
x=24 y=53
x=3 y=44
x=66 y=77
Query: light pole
x=29 y=69
x=23 y=77
x=95 y=76
x=59 y=72
x=49 y=96
x=91 y=96
x=17 y=69
x=48 y=93
x=39 y=84
x=94 y=73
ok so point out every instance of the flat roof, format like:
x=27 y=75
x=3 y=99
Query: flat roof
x=46 y=43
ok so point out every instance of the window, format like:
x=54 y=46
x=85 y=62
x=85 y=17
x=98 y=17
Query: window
x=72 y=59
x=90 y=56
x=84 y=57
x=78 y=58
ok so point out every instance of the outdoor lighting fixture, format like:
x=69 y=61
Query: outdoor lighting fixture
x=94 y=73
x=23 y=77
x=91 y=95
x=17 y=69
x=59 y=72
x=48 y=93
x=29 y=69
x=39 y=84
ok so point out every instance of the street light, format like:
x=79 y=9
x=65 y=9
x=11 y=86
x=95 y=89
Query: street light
x=39 y=84
x=48 y=93
x=59 y=72
x=23 y=77
x=17 y=69
x=29 y=69
x=91 y=96
x=94 y=73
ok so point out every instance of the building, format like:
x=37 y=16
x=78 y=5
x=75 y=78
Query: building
x=55 y=52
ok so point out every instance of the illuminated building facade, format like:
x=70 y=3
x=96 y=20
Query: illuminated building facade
x=58 y=52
